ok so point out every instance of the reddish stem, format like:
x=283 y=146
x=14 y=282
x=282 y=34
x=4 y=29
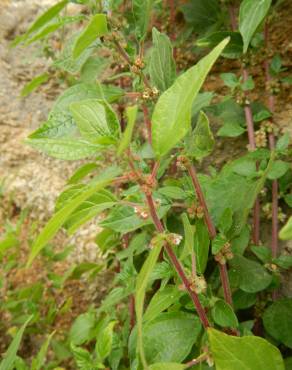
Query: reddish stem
x=132 y=311
x=196 y=361
x=147 y=122
x=271 y=102
x=176 y=264
x=212 y=231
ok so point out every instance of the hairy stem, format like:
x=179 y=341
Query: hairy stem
x=176 y=264
x=212 y=231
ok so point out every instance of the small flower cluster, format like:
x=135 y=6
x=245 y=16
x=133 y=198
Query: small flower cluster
x=267 y=209
x=198 y=285
x=273 y=87
x=150 y=93
x=224 y=254
x=141 y=212
x=174 y=239
x=195 y=211
x=137 y=66
x=182 y=162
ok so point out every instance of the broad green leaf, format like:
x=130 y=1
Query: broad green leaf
x=67 y=149
x=141 y=285
x=243 y=300
x=278 y=321
x=202 y=100
x=230 y=79
x=223 y=314
x=34 y=84
x=10 y=355
x=82 y=328
x=283 y=142
x=240 y=242
x=253 y=277
x=264 y=254
x=141 y=12
x=251 y=15
x=96 y=120
x=39 y=361
x=246 y=353
x=162 y=65
x=97 y=27
x=92 y=68
x=57 y=221
x=104 y=342
x=286 y=231
x=123 y=219
x=9 y=241
x=131 y=114
x=234 y=48
x=171 y=118
x=166 y=366
x=42 y=20
x=200 y=142
x=161 y=300
x=284 y=261
x=168 y=338
x=278 y=169
x=173 y=192
x=202 y=15
x=230 y=129
x=82 y=358
x=114 y=297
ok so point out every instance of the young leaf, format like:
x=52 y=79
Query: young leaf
x=39 y=361
x=42 y=20
x=141 y=285
x=252 y=353
x=131 y=114
x=278 y=321
x=104 y=342
x=97 y=27
x=252 y=276
x=67 y=149
x=189 y=231
x=161 y=300
x=82 y=358
x=286 y=231
x=11 y=353
x=162 y=64
x=251 y=14
x=230 y=129
x=82 y=328
x=34 y=84
x=61 y=216
x=96 y=121
x=141 y=12
x=278 y=169
x=283 y=142
x=200 y=142
x=81 y=172
x=201 y=245
x=172 y=113
x=224 y=315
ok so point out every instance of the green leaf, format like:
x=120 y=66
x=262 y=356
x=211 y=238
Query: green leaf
x=34 y=84
x=202 y=15
x=251 y=14
x=97 y=27
x=230 y=129
x=247 y=353
x=278 y=321
x=223 y=314
x=243 y=300
x=173 y=192
x=67 y=149
x=283 y=142
x=61 y=216
x=166 y=366
x=283 y=261
x=230 y=79
x=82 y=172
x=200 y=142
x=161 y=300
x=82 y=329
x=96 y=121
x=131 y=114
x=225 y=221
x=201 y=245
x=168 y=338
x=42 y=20
x=189 y=231
x=171 y=119
x=104 y=342
x=162 y=65
x=252 y=276
x=92 y=68
x=141 y=12
x=82 y=358
x=39 y=361
x=141 y=285
x=218 y=243
x=286 y=231
x=278 y=169
x=264 y=254
x=234 y=48
x=10 y=355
